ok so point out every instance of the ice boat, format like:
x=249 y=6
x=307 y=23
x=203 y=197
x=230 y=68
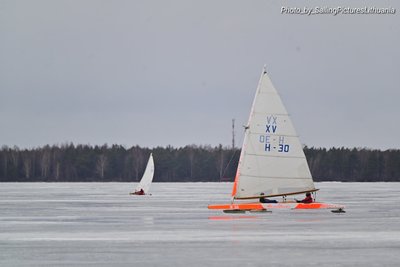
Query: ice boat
x=144 y=185
x=272 y=161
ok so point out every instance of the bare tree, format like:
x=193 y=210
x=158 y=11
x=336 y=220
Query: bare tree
x=45 y=162
x=191 y=160
x=15 y=156
x=101 y=165
x=56 y=162
x=27 y=166
x=57 y=171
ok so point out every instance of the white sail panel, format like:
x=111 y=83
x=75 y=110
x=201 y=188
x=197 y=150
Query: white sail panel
x=147 y=177
x=268 y=102
x=256 y=185
x=272 y=160
x=286 y=169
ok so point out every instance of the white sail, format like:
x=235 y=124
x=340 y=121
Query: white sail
x=147 y=177
x=272 y=161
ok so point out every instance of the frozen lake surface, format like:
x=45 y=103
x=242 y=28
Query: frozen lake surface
x=99 y=224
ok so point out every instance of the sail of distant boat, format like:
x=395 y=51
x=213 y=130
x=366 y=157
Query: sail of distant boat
x=144 y=185
x=272 y=162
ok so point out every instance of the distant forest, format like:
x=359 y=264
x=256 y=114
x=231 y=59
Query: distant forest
x=86 y=163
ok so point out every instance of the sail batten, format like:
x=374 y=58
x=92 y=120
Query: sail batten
x=284 y=135
x=275 y=177
x=299 y=157
x=272 y=160
x=277 y=114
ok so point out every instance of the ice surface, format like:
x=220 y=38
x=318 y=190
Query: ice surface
x=100 y=224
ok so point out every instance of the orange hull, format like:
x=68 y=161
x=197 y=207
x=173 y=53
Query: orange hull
x=247 y=206
x=267 y=206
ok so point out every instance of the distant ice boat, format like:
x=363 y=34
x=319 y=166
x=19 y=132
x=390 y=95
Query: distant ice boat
x=144 y=185
x=272 y=161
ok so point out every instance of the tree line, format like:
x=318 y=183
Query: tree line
x=86 y=163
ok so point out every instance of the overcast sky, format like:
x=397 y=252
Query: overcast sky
x=157 y=72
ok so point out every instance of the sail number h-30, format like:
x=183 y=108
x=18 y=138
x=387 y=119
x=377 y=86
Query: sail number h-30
x=271 y=127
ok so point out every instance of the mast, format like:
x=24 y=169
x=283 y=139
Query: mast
x=233 y=134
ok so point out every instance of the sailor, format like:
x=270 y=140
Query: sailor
x=307 y=199
x=140 y=192
x=266 y=200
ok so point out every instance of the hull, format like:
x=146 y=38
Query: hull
x=136 y=194
x=269 y=206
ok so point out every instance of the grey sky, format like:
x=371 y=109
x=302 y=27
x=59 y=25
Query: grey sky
x=176 y=72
